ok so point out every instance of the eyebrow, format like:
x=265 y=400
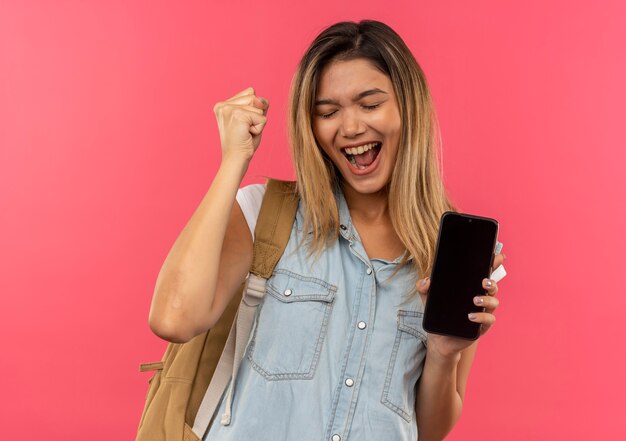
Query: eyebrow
x=356 y=98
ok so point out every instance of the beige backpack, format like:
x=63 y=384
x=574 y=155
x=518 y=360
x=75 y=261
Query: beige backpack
x=190 y=379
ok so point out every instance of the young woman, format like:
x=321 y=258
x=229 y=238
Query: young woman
x=338 y=351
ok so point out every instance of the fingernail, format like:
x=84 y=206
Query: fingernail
x=488 y=282
x=471 y=316
x=422 y=282
x=479 y=300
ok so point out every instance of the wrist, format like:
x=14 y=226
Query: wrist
x=236 y=164
x=237 y=152
x=441 y=356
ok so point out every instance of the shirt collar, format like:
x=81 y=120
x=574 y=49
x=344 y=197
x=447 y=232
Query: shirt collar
x=346 y=228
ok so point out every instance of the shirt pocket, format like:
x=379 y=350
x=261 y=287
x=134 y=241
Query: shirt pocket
x=291 y=326
x=405 y=364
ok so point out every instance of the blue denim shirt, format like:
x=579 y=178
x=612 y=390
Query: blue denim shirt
x=336 y=350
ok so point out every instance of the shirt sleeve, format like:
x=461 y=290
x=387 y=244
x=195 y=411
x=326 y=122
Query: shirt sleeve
x=249 y=199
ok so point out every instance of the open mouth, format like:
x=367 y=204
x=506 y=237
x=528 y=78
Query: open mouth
x=363 y=156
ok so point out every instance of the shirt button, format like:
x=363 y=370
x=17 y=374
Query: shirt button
x=343 y=227
x=288 y=292
x=336 y=437
x=361 y=325
x=369 y=271
x=349 y=382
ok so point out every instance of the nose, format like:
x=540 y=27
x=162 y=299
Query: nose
x=351 y=124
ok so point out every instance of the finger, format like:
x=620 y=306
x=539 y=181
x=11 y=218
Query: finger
x=490 y=286
x=257 y=128
x=484 y=318
x=488 y=302
x=234 y=108
x=266 y=105
x=239 y=103
x=253 y=118
x=251 y=100
x=246 y=91
x=498 y=260
x=261 y=103
x=258 y=123
x=423 y=285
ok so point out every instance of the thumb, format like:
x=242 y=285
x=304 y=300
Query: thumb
x=423 y=286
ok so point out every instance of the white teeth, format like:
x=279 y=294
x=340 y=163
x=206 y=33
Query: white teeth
x=360 y=149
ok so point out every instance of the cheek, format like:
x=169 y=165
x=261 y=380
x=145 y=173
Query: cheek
x=393 y=125
x=315 y=130
x=322 y=143
x=388 y=121
x=322 y=148
x=392 y=130
x=320 y=131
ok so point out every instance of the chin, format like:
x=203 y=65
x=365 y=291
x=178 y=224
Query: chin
x=368 y=186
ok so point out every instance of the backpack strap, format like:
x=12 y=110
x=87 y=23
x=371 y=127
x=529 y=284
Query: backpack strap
x=278 y=212
x=271 y=235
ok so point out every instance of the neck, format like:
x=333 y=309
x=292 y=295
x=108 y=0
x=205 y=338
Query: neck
x=372 y=207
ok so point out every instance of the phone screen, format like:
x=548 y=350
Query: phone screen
x=463 y=259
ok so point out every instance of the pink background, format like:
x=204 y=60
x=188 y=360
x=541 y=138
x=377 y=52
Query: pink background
x=108 y=143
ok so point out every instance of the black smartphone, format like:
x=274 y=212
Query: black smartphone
x=463 y=258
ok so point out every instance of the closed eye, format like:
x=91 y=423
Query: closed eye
x=371 y=107
x=328 y=115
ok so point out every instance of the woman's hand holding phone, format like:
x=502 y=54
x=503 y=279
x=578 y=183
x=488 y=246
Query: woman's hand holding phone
x=448 y=346
x=241 y=120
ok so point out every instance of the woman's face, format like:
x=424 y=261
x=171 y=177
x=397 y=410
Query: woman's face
x=356 y=121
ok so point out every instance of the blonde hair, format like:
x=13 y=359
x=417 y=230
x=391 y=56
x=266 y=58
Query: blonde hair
x=416 y=195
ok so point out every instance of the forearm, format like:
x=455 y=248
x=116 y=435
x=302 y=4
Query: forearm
x=438 y=402
x=186 y=283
